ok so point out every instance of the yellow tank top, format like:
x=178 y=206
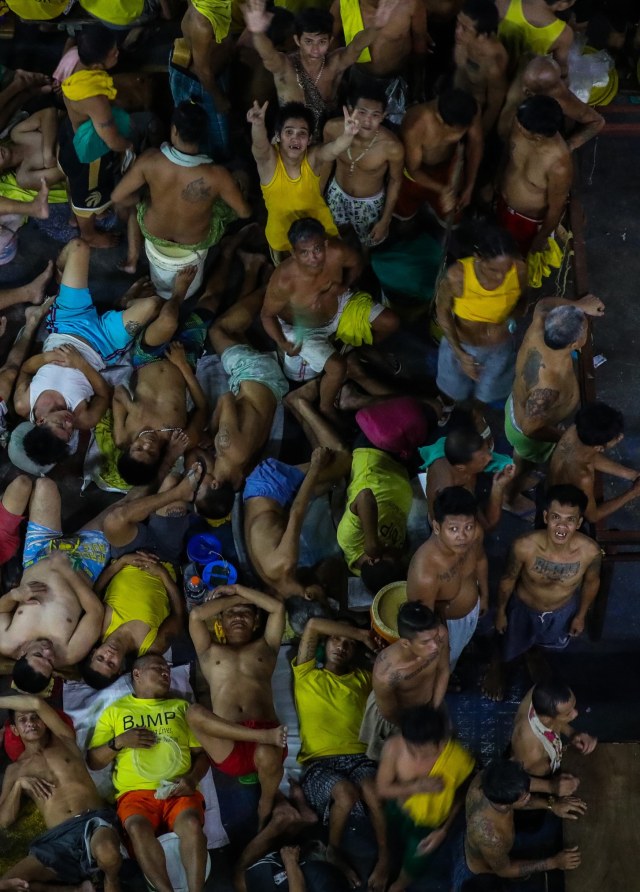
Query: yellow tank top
x=453 y=765
x=288 y=200
x=520 y=36
x=476 y=304
x=114 y=12
x=37 y=10
x=150 y=604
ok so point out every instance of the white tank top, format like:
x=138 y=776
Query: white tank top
x=72 y=384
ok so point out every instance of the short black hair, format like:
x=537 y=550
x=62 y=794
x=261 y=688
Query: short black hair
x=415 y=617
x=493 y=241
x=305 y=228
x=541 y=115
x=461 y=443
x=300 y=610
x=383 y=572
x=563 y=326
x=370 y=90
x=598 y=424
x=94 y=43
x=216 y=504
x=548 y=695
x=294 y=111
x=191 y=121
x=314 y=21
x=423 y=724
x=483 y=14
x=29 y=679
x=566 y=494
x=43 y=447
x=94 y=679
x=457 y=108
x=138 y=473
x=454 y=501
x=503 y=782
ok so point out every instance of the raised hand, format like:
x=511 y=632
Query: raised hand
x=255 y=115
x=351 y=124
x=256 y=18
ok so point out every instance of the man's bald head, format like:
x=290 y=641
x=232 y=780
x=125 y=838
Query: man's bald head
x=541 y=75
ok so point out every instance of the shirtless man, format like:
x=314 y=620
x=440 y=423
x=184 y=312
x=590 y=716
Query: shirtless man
x=31 y=150
x=311 y=75
x=437 y=136
x=580 y=454
x=409 y=775
x=550 y=581
x=244 y=735
x=363 y=191
x=305 y=298
x=81 y=836
x=190 y=199
x=532 y=26
x=493 y=798
x=480 y=59
x=545 y=389
x=542 y=77
x=449 y=572
x=164 y=358
x=411 y=672
x=535 y=181
x=88 y=95
x=542 y=720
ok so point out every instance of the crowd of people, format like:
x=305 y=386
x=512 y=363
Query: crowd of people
x=303 y=145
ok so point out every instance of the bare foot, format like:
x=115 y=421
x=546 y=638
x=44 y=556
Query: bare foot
x=128 y=266
x=177 y=446
x=14 y=884
x=101 y=239
x=297 y=796
x=190 y=483
x=379 y=876
x=142 y=287
x=275 y=736
x=39 y=207
x=492 y=685
x=335 y=857
x=184 y=279
x=34 y=315
x=34 y=291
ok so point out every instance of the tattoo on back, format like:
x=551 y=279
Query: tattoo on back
x=196 y=191
x=531 y=369
x=554 y=571
x=540 y=401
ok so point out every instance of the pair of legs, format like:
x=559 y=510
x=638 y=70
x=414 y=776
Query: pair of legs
x=150 y=854
x=105 y=848
x=218 y=737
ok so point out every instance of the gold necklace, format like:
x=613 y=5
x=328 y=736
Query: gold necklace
x=354 y=161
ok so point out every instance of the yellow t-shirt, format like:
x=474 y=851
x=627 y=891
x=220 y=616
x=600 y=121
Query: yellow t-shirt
x=150 y=605
x=453 y=765
x=140 y=769
x=37 y=10
x=519 y=36
x=114 y=12
x=477 y=304
x=387 y=479
x=330 y=709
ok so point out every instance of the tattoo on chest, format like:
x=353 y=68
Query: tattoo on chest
x=223 y=438
x=553 y=571
x=397 y=677
x=196 y=191
x=453 y=571
x=531 y=369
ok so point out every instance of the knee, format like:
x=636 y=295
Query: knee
x=20 y=488
x=107 y=855
x=268 y=759
x=44 y=488
x=188 y=824
x=345 y=794
x=78 y=244
x=138 y=829
x=336 y=367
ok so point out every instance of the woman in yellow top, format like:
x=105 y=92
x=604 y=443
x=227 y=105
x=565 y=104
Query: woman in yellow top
x=475 y=300
x=532 y=26
x=143 y=613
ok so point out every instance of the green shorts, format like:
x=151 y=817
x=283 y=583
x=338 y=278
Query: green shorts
x=536 y=451
x=407 y=835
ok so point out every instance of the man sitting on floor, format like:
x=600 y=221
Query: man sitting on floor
x=144 y=733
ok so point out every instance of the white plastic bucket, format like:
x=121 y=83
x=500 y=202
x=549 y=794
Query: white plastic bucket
x=175 y=868
x=166 y=263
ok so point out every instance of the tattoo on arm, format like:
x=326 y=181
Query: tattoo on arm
x=132 y=327
x=196 y=191
x=540 y=401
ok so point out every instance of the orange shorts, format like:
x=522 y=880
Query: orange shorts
x=161 y=813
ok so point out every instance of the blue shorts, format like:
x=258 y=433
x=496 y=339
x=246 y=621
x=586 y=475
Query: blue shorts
x=272 y=479
x=74 y=313
x=527 y=628
x=496 y=377
x=87 y=551
x=186 y=87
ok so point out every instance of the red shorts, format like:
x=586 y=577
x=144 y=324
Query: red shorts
x=523 y=229
x=241 y=759
x=413 y=195
x=161 y=813
x=9 y=538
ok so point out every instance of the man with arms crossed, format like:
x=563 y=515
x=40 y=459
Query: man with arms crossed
x=81 y=836
x=551 y=579
x=449 y=572
x=411 y=672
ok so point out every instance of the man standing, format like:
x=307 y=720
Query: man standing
x=449 y=572
x=338 y=776
x=147 y=736
x=545 y=388
x=438 y=136
x=81 y=836
x=536 y=179
x=365 y=186
x=551 y=579
x=532 y=26
x=493 y=798
x=244 y=735
x=413 y=671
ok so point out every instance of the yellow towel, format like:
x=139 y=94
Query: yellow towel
x=87 y=83
x=219 y=14
x=540 y=263
x=354 y=326
x=352 y=24
x=9 y=189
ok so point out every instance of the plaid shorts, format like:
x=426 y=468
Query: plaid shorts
x=322 y=775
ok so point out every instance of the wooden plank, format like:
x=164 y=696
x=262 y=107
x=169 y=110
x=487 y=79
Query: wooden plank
x=608 y=833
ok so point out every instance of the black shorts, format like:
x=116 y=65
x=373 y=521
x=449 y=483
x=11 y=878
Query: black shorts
x=90 y=185
x=66 y=849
